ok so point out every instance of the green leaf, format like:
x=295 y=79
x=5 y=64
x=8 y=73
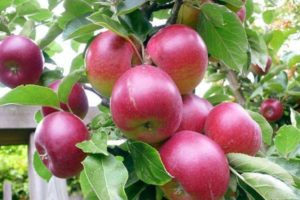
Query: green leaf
x=269 y=187
x=96 y=145
x=86 y=188
x=266 y=128
x=67 y=83
x=77 y=63
x=53 y=3
x=78 y=27
x=244 y=163
x=77 y=7
x=269 y=16
x=258 y=47
x=107 y=22
x=128 y=6
x=249 y=8
x=137 y=24
x=278 y=37
x=53 y=32
x=291 y=165
x=38 y=116
x=227 y=41
x=5 y=4
x=31 y=95
x=235 y=3
x=107 y=176
x=40 y=168
x=295 y=118
x=287 y=139
x=41 y=15
x=28 y=28
x=148 y=165
x=27 y=8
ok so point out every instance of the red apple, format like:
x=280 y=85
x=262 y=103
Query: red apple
x=229 y=125
x=21 y=61
x=198 y=165
x=55 y=139
x=271 y=109
x=195 y=111
x=242 y=13
x=77 y=101
x=181 y=52
x=107 y=58
x=146 y=104
x=257 y=69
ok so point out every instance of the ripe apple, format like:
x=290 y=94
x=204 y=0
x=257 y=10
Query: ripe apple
x=55 y=139
x=242 y=13
x=195 y=111
x=21 y=61
x=271 y=109
x=257 y=70
x=229 y=125
x=107 y=58
x=198 y=165
x=146 y=104
x=181 y=52
x=77 y=101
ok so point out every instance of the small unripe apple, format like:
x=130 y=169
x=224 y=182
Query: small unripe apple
x=271 y=109
x=189 y=15
x=195 y=111
x=77 y=101
x=146 y=104
x=21 y=61
x=242 y=13
x=229 y=125
x=55 y=139
x=107 y=58
x=198 y=165
x=257 y=70
x=181 y=52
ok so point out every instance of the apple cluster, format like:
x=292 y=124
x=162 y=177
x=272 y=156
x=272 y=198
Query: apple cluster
x=154 y=103
x=21 y=63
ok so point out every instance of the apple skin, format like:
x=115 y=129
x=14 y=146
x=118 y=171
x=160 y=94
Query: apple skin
x=188 y=15
x=181 y=52
x=107 y=58
x=242 y=13
x=146 y=104
x=257 y=70
x=271 y=109
x=198 y=165
x=21 y=61
x=195 y=111
x=77 y=101
x=229 y=125
x=55 y=139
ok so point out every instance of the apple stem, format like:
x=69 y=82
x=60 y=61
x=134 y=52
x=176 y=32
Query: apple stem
x=175 y=11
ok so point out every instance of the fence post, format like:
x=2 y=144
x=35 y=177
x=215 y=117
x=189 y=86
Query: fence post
x=7 y=193
x=37 y=186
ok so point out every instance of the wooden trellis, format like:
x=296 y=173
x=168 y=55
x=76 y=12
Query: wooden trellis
x=17 y=127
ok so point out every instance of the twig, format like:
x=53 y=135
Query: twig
x=149 y=9
x=235 y=86
x=104 y=100
x=175 y=10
